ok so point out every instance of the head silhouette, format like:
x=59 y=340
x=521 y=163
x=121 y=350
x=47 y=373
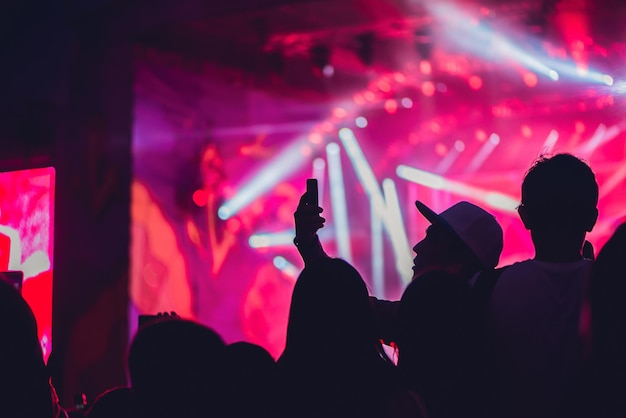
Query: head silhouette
x=23 y=376
x=332 y=363
x=329 y=309
x=559 y=207
x=176 y=368
x=253 y=380
x=559 y=193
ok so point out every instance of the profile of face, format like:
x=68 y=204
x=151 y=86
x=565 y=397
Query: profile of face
x=436 y=251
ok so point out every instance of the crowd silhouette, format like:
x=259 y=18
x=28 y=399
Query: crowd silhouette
x=543 y=337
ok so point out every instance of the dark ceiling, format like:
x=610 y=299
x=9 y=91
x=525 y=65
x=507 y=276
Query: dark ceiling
x=280 y=43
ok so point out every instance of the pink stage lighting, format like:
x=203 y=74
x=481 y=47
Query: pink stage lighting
x=26 y=240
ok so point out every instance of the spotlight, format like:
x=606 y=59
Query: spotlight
x=384 y=203
x=550 y=142
x=256 y=183
x=338 y=200
x=286 y=267
x=483 y=153
x=361 y=122
x=490 y=198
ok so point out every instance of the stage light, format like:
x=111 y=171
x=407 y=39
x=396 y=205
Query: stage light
x=574 y=72
x=613 y=181
x=490 y=198
x=361 y=122
x=424 y=178
x=339 y=112
x=530 y=79
x=601 y=136
x=406 y=102
x=482 y=154
x=319 y=173
x=315 y=138
x=386 y=206
x=286 y=267
x=450 y=158
x=378 y=262
x=481 y=135
x=399 y=77
x=501 y=201
x=441 y=149
x=271 y=240
x=384 y=86
x=396 y=230
x=475 y=82
x=338 y=200
x=619 y=87
x=258 y=183
x=328 y=71
x=475 y=37
x=550 y=142
x=426 y=67
x=428 y=88
x=391 y=106
x=200 y=198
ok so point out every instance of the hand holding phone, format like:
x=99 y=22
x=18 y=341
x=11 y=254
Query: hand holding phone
x=307 y=216
x=312 y=192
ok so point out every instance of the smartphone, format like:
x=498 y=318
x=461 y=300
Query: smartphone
x=16 y=278
x=312 y=192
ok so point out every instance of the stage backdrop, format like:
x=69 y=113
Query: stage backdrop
x=220 y=164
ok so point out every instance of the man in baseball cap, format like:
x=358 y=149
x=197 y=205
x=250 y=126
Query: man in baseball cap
x=462 y=240
x=432 y=325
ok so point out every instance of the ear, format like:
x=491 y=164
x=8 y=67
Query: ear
x=591 y=221
x=524 y=216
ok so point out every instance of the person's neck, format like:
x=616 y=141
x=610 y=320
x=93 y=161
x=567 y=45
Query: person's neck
x=558 y=248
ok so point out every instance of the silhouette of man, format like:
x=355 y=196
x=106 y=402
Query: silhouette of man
x=533 y=314
x=461 y=241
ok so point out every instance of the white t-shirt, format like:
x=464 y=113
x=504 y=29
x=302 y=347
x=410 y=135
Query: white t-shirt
x=533 y=324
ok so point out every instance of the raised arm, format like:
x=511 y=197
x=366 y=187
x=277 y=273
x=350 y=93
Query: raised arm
x=307 y=221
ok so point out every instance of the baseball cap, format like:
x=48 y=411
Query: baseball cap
x=477 y=228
